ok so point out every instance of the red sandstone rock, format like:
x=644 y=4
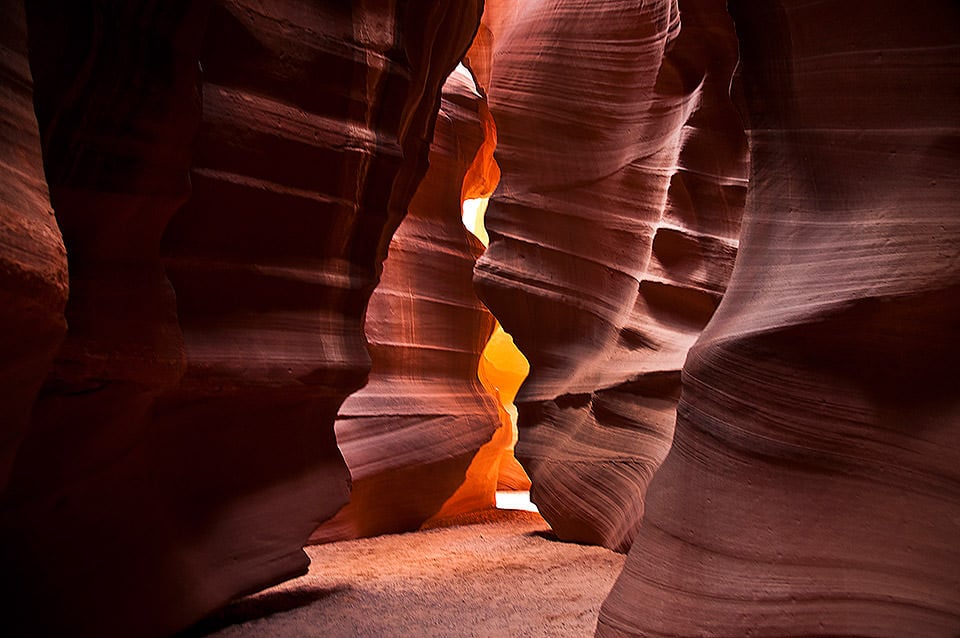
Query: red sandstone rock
x=182 y=449
x=410 y=435
x=612 y=234
x=812 y=488
x=88 y=526
x=33 y=263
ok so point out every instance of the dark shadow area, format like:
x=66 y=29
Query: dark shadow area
x=549 y=535
x=256 y=607
x=546 y=534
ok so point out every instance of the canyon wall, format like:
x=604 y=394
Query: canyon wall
x=227 y=177
x=33 y=262
x=217 y=183
x=612 y=234
x=813 y=485
x=410 y=435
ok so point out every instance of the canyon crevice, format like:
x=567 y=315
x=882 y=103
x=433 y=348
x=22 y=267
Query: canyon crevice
x=411 y=434
x=240 y=312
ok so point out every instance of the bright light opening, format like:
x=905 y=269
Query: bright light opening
x=473 y=211
x=515 y=501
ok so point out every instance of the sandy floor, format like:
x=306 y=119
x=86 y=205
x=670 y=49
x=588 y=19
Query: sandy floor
x=499 y=574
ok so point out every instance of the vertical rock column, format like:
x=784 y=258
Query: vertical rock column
x=33 y=262
x=116 y=91
x=183 y=450
x=813 y=485
x=316 y=125
x=605 y=262
x=409 y=436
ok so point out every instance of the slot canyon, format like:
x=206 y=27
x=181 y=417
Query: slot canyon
x=291 y=291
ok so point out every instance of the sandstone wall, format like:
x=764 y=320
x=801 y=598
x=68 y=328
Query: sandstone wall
x=812 y=488
x=613 y=233
x=33 y=262
x=411 y=434
x=227 y=176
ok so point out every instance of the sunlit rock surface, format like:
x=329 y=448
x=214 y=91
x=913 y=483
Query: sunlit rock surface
x=410 y=436
x=612 y=234
x=227 y=177
x=33 y=263
x=814 y=483
x=502 y=371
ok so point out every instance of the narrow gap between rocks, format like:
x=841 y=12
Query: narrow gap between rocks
x=502 y=371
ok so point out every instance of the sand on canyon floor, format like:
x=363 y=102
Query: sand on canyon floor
x=498 y=573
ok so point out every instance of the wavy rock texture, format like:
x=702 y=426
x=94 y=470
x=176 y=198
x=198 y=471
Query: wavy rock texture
x=615 y=228
x=33 y=262
x=411 y=434
x=185 y=437
x=813 y=486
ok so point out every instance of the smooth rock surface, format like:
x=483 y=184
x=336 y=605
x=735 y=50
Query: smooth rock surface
x=612 y=234
x=412 y=435
x=813 y=487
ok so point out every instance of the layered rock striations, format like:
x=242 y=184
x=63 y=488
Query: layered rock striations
x=411 y=434
x=813 y=485
x=227 y=177
x=612 y=234
x=33 y=262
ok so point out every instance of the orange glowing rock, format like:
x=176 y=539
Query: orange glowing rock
x=423 y=439
x=502 y=367
x=502 y=371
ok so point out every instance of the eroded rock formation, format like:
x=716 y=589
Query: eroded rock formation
x=813 y=485
x=612 y=234
x=33 y=262
x=410 y=435
x=182 y=448
x=227 y=176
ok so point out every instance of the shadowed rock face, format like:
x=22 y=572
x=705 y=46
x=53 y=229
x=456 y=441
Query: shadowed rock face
x=227 y=177
x=613 y=233
x=813 y=486
x=409 y=436
x=33 y=262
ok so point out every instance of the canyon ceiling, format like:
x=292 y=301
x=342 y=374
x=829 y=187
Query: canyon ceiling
x=240 y=310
